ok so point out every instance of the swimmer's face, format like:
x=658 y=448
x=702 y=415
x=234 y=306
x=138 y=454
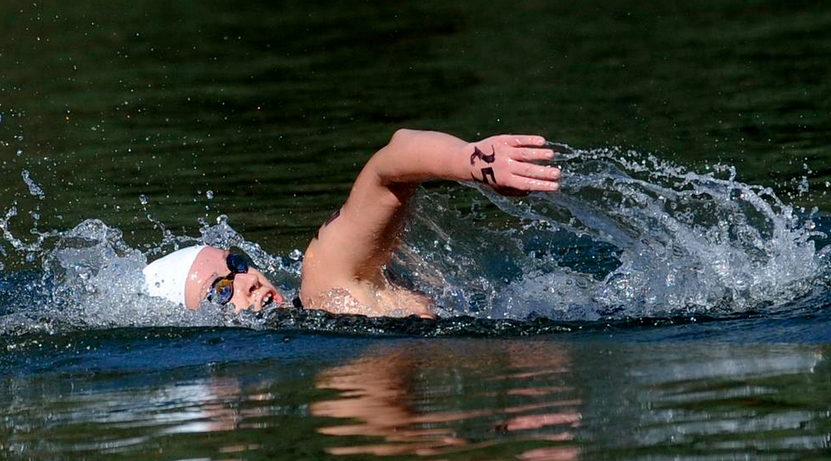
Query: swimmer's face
x=251 y=289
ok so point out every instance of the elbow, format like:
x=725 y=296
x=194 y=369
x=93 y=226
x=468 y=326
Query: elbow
x=401 y=136
x=389 y=163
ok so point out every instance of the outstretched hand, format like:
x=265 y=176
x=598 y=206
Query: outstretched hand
x=509 y=164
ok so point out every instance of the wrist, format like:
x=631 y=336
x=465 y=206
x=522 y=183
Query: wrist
x=462 y=161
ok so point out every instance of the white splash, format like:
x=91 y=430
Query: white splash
x=629 y=235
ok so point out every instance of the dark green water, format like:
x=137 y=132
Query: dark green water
x=274 y=107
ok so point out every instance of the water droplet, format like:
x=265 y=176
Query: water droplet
x=19 y=152
x=143 y=199
x=803 y=186
x=209 y=194
x=34 y=189
x=295 y=255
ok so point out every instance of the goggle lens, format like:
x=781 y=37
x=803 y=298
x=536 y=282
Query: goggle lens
x=222 y=292
x=222 y=289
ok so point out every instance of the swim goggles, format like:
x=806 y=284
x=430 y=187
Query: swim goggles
x=222 y=290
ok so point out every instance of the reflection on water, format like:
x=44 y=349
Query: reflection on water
x=400 y=399
x=723 y=399
x=538 y=399
x=717 y=402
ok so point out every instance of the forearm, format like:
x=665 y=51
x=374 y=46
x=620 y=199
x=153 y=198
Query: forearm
x=412 y=157
x=507 y=163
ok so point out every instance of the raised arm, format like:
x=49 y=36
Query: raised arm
x=342 y=269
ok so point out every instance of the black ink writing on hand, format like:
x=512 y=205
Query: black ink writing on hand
x=485 y=173
x=481 y=155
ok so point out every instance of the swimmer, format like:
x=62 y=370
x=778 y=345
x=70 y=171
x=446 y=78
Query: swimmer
x=343 y=267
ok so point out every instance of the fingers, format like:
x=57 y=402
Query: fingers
x=529 y=170
x=535 y=155
x=524 y=140
x=533 y=185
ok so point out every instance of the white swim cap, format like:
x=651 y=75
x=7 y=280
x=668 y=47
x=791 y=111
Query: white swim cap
x=165 y=277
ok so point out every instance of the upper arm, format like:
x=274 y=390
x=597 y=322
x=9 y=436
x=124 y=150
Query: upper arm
x=358 y=239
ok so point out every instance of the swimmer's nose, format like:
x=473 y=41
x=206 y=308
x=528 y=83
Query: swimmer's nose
x=245 y=284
